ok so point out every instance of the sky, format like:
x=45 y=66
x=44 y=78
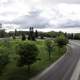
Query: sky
x=45 y=15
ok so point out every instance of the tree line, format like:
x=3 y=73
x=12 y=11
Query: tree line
x=31 y=34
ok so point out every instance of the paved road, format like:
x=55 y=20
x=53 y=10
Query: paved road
x=79 y=77
x=64 y=68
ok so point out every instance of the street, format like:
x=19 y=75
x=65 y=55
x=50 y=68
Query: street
x=64 y=68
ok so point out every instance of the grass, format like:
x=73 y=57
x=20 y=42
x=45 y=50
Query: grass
x=12 y=72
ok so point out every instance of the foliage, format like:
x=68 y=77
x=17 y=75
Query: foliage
x=28 y=53
x=49 y=47
x=13 y=72
x=23 y=37
x=61 y=40
x=77 y=36
x=42 y=37
x=36 y=34
x=31 y=35
x=52 y=34
x=4 y=58
x=15 y=33
x=14 y=37
x=2 y=33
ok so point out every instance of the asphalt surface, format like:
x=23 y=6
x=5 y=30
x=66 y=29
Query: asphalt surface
x=64 y=68
x=79 y=77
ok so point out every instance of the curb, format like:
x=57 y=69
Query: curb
x=50 y=67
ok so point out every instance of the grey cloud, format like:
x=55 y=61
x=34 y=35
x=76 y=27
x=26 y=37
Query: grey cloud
x=33 y=19
x=62 y=1
x=6 y=3
x=70 y=24
x=6 y=13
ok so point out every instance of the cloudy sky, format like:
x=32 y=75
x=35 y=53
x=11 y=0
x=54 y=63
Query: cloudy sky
x=42 y=14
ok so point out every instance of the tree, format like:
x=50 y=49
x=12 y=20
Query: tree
x=13 y=36
x=15 y=33
x=49 y=47
x=2 y=33
x=28 y=53
x=31 y=35
x=70 y=36
x=23 y=37
x=61 y=40
x=42 y=37
x=77 y=36
x=36 y=34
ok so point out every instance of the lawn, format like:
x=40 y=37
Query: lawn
x=12 y=72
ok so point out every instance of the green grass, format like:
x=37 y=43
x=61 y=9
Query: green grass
x=12 y=72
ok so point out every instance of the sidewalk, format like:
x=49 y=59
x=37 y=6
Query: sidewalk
x=76 y=73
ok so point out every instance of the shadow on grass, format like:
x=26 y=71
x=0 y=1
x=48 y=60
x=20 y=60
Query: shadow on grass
x=17 y=74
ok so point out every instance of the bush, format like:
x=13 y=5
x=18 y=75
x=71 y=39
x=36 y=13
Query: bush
x=28 y=53
x=49 y=47
x=61 y=40
x=23 y=37
x=4 y=58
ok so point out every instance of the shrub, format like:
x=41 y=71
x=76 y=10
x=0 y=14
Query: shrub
x=61 y=40
x=28 y=53
x=49 y=47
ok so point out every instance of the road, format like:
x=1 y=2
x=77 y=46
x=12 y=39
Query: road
x=64 y=68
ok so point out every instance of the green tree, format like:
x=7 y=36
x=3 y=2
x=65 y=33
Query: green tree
x=36 y=34
x=61 y=40
x=42 y=37
x=2 y=33
x=28 y=53
x=49 y=47
x=14 y=37
x=77 y=36
x=31 y=35
x=15 y=33
x=23 y=37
